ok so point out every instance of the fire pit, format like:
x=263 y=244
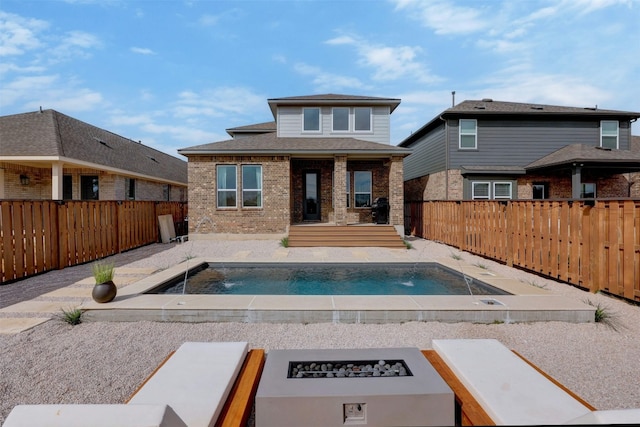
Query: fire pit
x=363 y=387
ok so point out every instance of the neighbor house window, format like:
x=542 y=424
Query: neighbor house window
x=252 y=186
x=67 y=187
x=468 y=133
x=166 y=192
x=609 y=134
x=130 y=188
x=311 y=120
x=540 y=190
x=501 y=190
x=348 y=189
x=480 y=191
x=362 y=119
x=340 y=119
x=588 y=191
x=89 y=186
x=226 y=178
x=362 y=188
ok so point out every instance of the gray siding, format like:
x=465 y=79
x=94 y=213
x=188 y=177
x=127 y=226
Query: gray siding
x=428 y=155
x=290 y=125
x=520 y=142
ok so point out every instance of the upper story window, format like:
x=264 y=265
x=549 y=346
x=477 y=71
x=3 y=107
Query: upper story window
x=226 y=184
x=341 y=119
x=362 y=117
x=468 y=134
x=311 y=120
x=609 y=134
x=252 y=186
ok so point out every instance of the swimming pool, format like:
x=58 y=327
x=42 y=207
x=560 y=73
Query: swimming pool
x=325 y=279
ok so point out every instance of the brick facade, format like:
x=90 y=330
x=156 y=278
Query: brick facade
x=111 y=186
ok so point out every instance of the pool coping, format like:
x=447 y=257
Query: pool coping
x=526 y=304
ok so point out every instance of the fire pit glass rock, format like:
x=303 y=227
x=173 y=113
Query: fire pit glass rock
x=352 y=387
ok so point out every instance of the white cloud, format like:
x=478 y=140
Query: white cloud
x=18 y=34
x=142 y=50
x=218 y=102
x=444 y=17
x=388 y=62
x=324 y=81
x=72 y=44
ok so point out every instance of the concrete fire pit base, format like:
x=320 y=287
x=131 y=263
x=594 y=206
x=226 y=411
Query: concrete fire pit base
x=419 y=397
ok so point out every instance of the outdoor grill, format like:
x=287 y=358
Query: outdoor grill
x=361 y=387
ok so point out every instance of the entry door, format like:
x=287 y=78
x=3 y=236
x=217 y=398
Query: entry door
x=311 y=208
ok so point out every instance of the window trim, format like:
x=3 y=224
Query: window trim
x=602 y=134
x=258 y=190
x=319 y=130
x=493 y=187
x=473 y=190
x=356 y=193
x=355 y=120
x=226 y=190
x=466 y=133
x=333 y=126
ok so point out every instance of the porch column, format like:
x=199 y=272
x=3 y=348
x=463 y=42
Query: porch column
x=56 y=181
x=396 y=194
x=576 y=181
x=340 y=190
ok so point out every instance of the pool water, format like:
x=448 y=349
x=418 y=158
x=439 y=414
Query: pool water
x=326 y=279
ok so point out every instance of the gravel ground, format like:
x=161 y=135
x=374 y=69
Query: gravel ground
x=101 y=362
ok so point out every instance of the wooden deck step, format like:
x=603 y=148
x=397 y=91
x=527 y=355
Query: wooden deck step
x=384 y=236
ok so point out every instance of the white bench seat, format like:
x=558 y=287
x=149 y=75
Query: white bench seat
x=510 y=390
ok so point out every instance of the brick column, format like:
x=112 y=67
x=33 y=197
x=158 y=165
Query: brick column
x=340 y=190
x=396 y=194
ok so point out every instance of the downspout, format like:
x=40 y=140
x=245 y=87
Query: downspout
x=446 y=159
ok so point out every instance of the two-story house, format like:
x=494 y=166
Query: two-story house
x=505 y=150
x=47 y=155
x=325 y=159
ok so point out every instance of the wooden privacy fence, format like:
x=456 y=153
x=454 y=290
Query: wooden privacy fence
x=38 y=236
x=594 y=245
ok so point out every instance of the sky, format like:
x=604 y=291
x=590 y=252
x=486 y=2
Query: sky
x=177 y=73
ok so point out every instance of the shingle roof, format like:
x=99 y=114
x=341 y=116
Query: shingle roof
x=489 y=106
x=587 y=154
x=333 y=99
x=256 y=128
x=270 y=143
x=635 y=143
x=52 y=134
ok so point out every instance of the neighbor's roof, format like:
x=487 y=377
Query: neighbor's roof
x=489 y=107
x=586 y=154
x=333 y=99
x=270 y=144
x=52 y=136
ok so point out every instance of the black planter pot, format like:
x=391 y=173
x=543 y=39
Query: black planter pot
x=104 y=292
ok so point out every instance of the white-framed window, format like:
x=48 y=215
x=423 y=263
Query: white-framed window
x=540 y=190
x=226 y=185
x=480 y=190
x=609 y=134
x=362 y=189
x=362 y=119
x=311 y=119
x=340 y=119
x=588 y=190
x=468 y=134
x=501 y=190
x=130 y=188
x=252 y=186
x=348 y=189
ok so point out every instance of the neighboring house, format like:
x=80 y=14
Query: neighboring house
x=325 y=159
x=504 y=150
x=48 y=155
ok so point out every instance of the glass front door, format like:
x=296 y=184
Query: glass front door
x=311 y=208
